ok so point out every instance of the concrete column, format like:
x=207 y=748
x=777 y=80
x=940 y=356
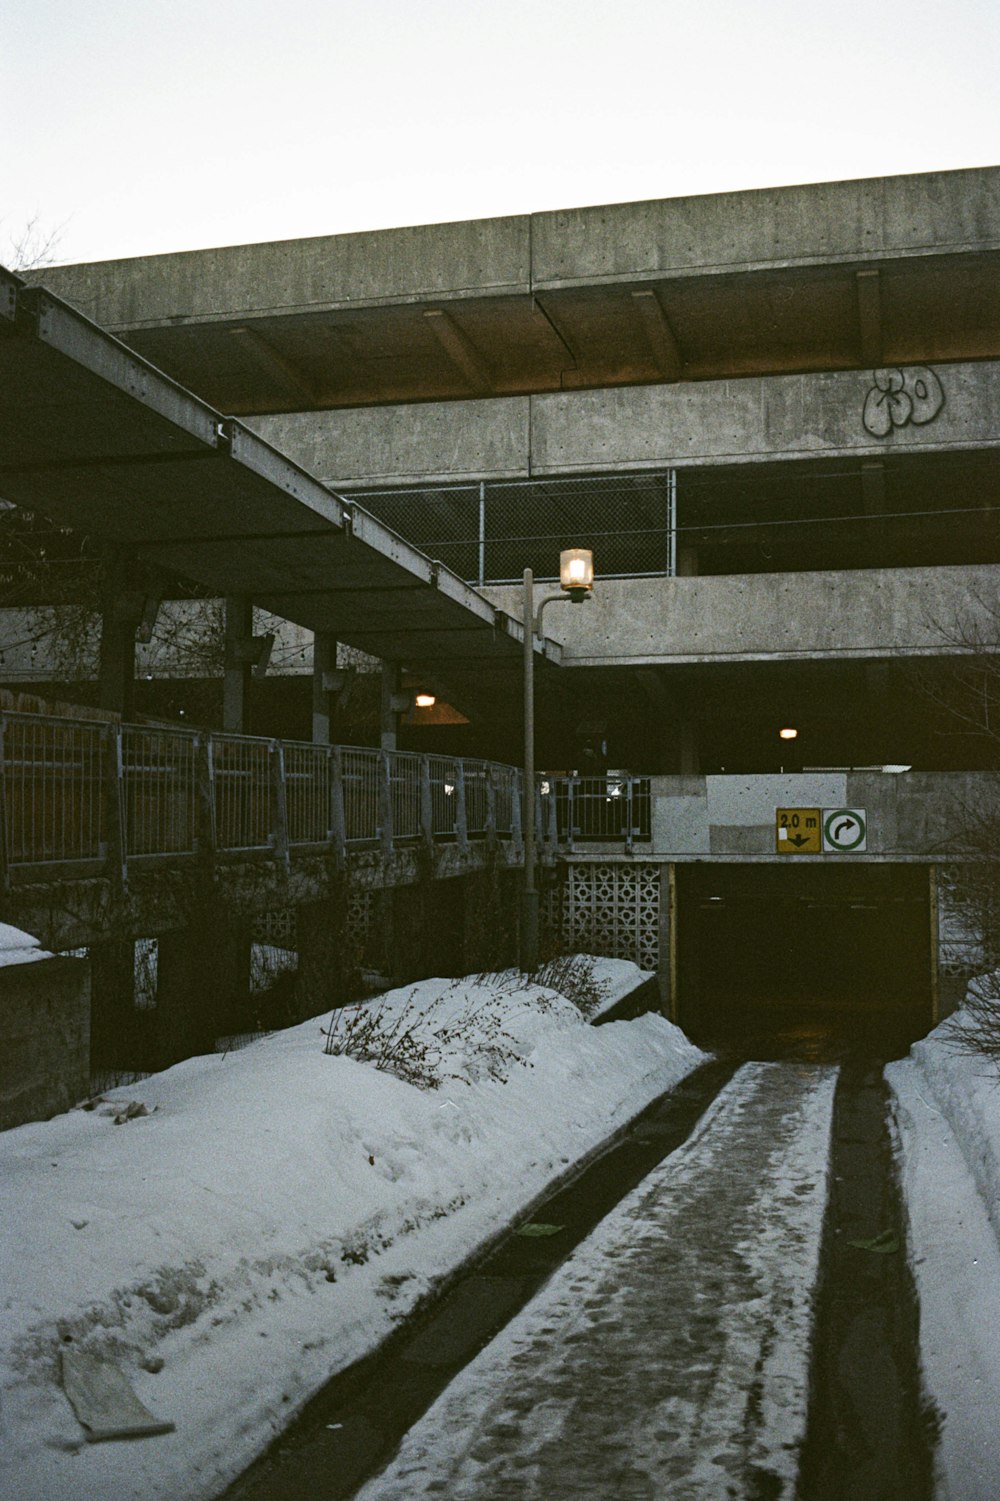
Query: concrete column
x=324 y=696
x=389 y=706
x=327 y=971
x=238 y=664
x=489 y=915
x=426 y=930
x=115 y=1040
x=203 y=984
x=121 y=611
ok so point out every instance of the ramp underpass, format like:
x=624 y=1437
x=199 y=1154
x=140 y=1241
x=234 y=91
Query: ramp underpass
x=782 y=960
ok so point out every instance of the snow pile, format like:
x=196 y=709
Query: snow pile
x=947 y=1115
x=19 y=948
x=236 y=1229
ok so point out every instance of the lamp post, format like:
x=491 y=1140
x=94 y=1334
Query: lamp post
x=576 y=581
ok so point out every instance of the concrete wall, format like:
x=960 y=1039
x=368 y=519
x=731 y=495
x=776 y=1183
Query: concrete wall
x=755 y=617
x=909 y=815
x=44 y=1038
x=630 y=427
x=818 y=224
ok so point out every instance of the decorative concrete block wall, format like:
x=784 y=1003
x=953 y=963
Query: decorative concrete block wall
x=44 y=1030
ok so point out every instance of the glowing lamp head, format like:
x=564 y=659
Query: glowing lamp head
x=576 y=572
x=425 y=700
x=788 y=733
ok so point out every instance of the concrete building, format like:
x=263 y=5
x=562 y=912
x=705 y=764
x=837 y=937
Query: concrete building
x=773 y=416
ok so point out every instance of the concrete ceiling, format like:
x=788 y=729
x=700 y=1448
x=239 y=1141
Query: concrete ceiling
x=627 y=333
x=828 y=276
x=100 y=441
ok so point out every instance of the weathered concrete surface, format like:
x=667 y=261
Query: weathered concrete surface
x=669 y=1355
x=44 y=1037
x=778 y=417
x=818 y=222
x=824 y=223
x=408 y=444
x=324 y=272
x=870 y=612
x=909 y=815
x=773 y=417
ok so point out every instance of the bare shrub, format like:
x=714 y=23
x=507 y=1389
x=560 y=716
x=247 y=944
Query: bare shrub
x=573 y=976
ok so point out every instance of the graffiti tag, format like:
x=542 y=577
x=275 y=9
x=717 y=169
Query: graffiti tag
x=901 y=396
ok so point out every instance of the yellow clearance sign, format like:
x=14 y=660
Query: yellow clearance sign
x=798 y=831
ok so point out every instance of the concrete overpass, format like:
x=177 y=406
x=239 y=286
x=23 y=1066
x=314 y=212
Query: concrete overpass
x=100 y=441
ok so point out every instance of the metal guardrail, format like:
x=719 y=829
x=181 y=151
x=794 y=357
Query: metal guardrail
x=93 y=797
x=87 y=797
x=608 y=808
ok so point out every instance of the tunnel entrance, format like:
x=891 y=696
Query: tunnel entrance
x=780 y=960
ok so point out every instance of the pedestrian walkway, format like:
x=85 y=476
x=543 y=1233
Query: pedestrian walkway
x=668 y=1357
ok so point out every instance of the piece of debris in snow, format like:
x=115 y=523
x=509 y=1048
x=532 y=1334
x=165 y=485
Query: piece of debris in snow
x=103 y=1401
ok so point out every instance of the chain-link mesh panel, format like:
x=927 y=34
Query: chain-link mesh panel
x=490 y=533
x=444 y=523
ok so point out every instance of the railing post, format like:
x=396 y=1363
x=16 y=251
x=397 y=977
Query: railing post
x=629 y=818
x=279 y=802
x=338 y=820
x=4 y=835
x=491 y=806
x=114 y=807
x=516 y=833
x=206 y=836
x=385 y=801
x=570 y=812
x=426 y=803
x=461 y=815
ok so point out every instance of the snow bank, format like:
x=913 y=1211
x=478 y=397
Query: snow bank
x=238 y=1228
x=947 y=1116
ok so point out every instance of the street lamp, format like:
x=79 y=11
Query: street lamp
x=576 y=582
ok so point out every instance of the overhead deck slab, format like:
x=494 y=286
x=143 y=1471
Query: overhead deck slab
x=824 y=276
x=100 y=441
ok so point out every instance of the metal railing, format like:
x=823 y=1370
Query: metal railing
x=75 y=793
x=606 y=809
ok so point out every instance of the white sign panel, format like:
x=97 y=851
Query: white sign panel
x=845 y=831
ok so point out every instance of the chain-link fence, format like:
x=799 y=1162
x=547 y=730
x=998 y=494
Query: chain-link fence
x=489 y=532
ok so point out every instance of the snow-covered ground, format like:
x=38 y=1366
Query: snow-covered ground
x=947 y=1114
x=238 y=1228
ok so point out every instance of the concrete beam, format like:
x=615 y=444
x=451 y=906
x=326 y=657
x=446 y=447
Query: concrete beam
x=660 y=336
x=635 y=427
x=267 y=358
x=864 y=613
x=460 y=350
x=869 y=316
x=817 y=224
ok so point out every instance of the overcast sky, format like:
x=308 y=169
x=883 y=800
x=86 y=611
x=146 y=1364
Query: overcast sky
x=152 y=125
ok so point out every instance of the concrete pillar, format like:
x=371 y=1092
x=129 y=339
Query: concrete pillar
x=489 y=916
x=203 y=984
x=324 y=695
x=121 y=611
x=327 y=971
x=238 y=665
x=389 y=709
x=115 y=1038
